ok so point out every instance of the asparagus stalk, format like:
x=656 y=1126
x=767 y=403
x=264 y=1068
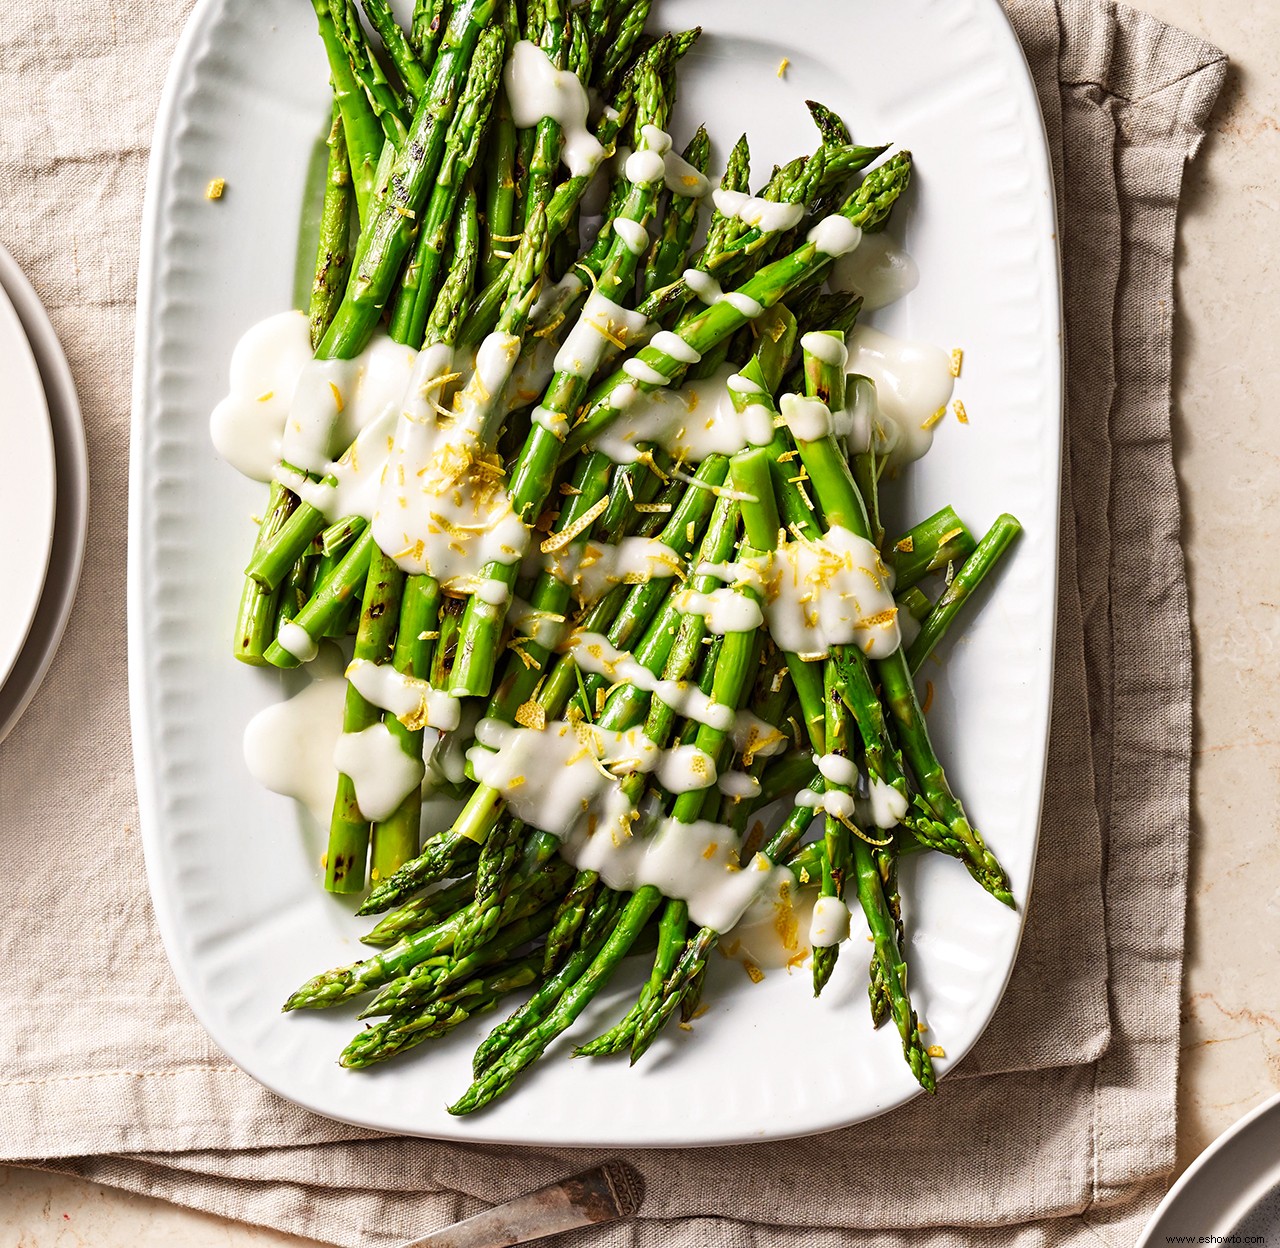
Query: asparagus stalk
x=406 y=1030
x=399 y=48
x=361 y=130
x=985 y=556
x=345 y=860
x=333 y=260
x=422 y=276
x=927 y=547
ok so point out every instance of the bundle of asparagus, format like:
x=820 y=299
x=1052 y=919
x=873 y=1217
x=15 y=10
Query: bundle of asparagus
x=708 y=623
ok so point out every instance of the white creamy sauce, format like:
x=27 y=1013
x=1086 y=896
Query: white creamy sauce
x=288 y=746
x=541 y=627
x=562 y=775
x=745 y=574
x=248 y=424
x=552 y=299
x=297 y=641
x=595 y=567
x=632 y=233
x=645 y=167
x=880 y=270
x=887 y=805
x=835 y=235
x=702 y=285
x=830 y=592
x=674 y=346
x=382 y=774
x=681 y=178
x=705 y=288
x=738 y=784
x=533 y=370
x=765 y=215
x=829 y=348
x=646 y=374
x=725 y=610
x=594 y=653
x=697 y=420
x=537 y=89
x=335 y=401
x=604 y=328
x=829 y=924
x=685 y=768
x=449 y=758
x=563 y=779
x=833 y=802
x=774 y=931
x=860 y=419
x=913 y=381
x=412 y=701
x=442 y=508
x=838 y=769
x=754 y=738
x=808 y=419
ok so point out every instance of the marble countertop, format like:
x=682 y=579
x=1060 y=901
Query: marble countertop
x=1226 y=376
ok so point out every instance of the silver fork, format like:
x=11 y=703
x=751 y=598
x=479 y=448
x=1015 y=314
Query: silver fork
x=602 y=1194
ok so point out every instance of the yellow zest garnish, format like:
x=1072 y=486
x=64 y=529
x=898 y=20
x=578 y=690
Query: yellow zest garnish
x=337 y=396
x=936 y=1050
x=215 y=188
x=782 y=65
x=569 y=491
x=531 y=714
x=961 y=415
x=610 y=334
x=506 y=238
x=928 y=697
x=906 y=545
x=557 y=541
x=933 y=420
x=949 y=535
x=753 y=971
x=656 y=509
x=528 y=660
x=957 y=361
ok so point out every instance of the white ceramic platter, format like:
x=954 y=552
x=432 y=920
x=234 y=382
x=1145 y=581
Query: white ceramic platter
x=30 y=487
x=233 y=870
x=71 y=514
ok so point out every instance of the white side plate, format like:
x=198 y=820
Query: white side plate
x=1230 y=1192
x=30 y=486
x=234 y=873
x=71 y=512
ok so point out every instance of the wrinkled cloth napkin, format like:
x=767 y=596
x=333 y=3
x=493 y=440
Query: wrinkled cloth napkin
x=1057 y=1129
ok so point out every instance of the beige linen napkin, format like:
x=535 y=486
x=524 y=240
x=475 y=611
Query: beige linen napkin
x=1057 y=1128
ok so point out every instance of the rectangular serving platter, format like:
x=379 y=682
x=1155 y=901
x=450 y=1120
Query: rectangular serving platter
x=234 y=870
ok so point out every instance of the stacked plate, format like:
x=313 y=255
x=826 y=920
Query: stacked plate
x=45 y=498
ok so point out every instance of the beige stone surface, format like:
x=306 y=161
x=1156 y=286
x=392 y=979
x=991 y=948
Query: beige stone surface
x=1227 y=390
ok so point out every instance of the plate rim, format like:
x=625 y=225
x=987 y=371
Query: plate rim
x=1039 y=158
x=1233 y=1135
x=37 y=458
x=71 y=507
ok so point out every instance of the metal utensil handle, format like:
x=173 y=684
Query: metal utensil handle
x=603 y=1194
